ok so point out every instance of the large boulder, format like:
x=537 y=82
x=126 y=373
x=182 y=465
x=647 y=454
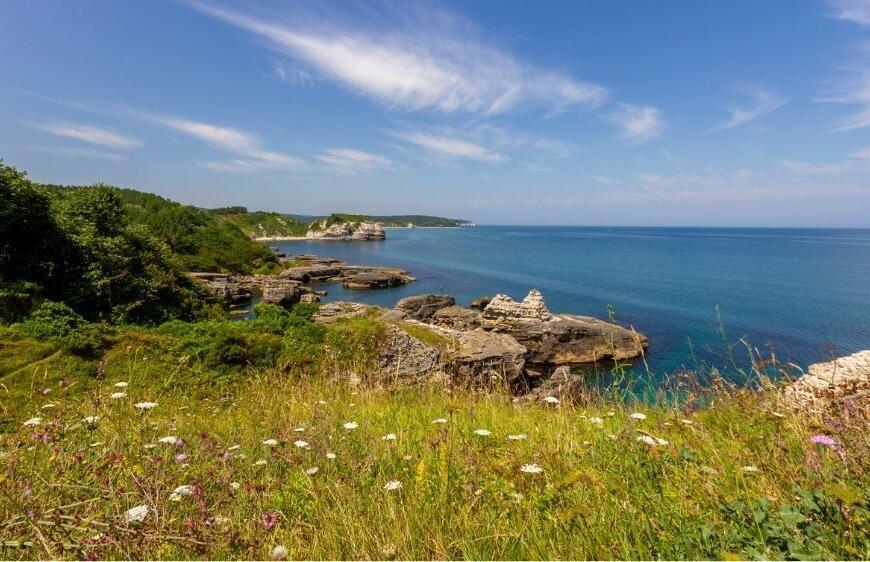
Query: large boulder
x=423 y=307
x=404 y=356
x=828 y=383
x=560 y=339
x=311 y=274
x=285 y=295
x=482 y=356
x=457 y=318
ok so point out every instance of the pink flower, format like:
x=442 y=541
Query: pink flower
x=825 y=440
x=269 y=519
x=181 y=457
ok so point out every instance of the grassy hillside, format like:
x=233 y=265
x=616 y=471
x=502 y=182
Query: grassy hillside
x=265 y=224
x=417 y=220
x=261 y=437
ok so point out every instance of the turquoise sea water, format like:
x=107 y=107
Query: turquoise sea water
x=803 y=293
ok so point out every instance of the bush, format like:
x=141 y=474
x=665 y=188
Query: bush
x=55 y=322
x=16 y=300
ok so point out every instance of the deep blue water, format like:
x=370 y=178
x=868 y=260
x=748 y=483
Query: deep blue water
x=803 y=293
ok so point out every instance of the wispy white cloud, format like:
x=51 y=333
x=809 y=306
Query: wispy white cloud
x=862 y=154
x=760 y=103
x=808 y=168
x=855 y=11
x=91 y=134
x=657 y=180
x=638 y=124
x=349 y=161
x=853 y=89
x=435 y=60
x=252 y=157
x=450 y=147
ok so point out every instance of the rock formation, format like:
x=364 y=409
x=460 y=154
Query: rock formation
x=321 y=230
x=423 y=307
x=832 y=382
x=240 y=289
x=377 y=279
x=313 y=269
x=404 y=356
x=484 y=357
x=504 y=307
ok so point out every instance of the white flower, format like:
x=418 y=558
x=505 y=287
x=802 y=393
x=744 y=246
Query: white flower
x=91 y=419
x=117 y=395
x=330 y=455
x=749 y=468
x=651 y=441
x=638 y=416
x=517 y=437
x=48 y=406
x=145 y=405
x=148 y=446
x=260 y=462
x=551 y=400
x=531 y=469
x=321 y=401
x=312 y=471
x=121 y=384
x=32 y=422
x=234 y=448
x=686 y=422
x=301 y=444
x=270 y=442
x=96 y=443
x=392 y=485
x=171 y=439
x=389 y=437
x=279 y=552
x=350 y=425
x=778 y=414
x=439 y=420
x=235 y=485
x=185 y=490
x=299 y=429
x=597 y=421
x=482 y=432
x=136 y=514
x=610 y=414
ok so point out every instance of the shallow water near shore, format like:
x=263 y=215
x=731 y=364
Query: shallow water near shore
x=801 y=293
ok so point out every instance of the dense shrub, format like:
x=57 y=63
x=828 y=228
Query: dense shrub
x=17 y=300
x=57 y=323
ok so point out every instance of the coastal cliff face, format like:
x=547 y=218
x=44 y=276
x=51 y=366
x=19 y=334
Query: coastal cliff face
x=322 y=230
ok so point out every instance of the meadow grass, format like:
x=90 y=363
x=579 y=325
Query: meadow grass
x=738 y=478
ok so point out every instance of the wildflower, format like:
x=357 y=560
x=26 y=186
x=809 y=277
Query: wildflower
x=551 y=400
x=531 y=469
x=269 y=519
x=685 y=421
x=778 y=414
x=330 y=456
x=350 y=425
x=279 y=552
x=389 y=437
x=392 y=485
x=185 y=490
x=260 y=462
x=651 y=441
x=299 y=429
x=482 y=432
x=597 y=421
x=117 y=395
x=517 y=437
x=48 y=406
x=825 y=440
x=638 y=416
x=439 y=420
x=270 y=442
x=121 y=384
x=96 y=443
x=136 y=514
x=145 y=405
x=235 y=485
x=32 y=422
x=171 y=439
x=610 y=414
x=749 y=468
x=181 y=457
x=234 y=448
x=312 y=471
x=301 y=444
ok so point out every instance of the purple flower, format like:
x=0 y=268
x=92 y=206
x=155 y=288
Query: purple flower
x=181 y=457
x=825 y=440
x=269 y=519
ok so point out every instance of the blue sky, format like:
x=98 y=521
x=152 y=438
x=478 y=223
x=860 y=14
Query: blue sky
x=732 y=113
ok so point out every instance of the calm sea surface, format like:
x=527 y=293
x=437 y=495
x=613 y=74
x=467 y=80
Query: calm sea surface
x=804 y=294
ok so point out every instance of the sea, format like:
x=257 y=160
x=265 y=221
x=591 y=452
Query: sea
x=701 y=295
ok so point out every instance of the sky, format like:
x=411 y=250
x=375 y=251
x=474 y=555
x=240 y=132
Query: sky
x=654 y=113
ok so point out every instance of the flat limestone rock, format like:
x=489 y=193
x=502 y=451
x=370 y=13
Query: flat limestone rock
x=832 y=381
x=376 y=280
x=423 y=307
x=404 y=356
x=482 y=355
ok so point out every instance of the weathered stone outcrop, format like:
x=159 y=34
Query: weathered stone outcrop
x=376 y=280
x=562 y=384
x=311 y=274
x=832 y=382
x=330 y=312
x=560 y=339
x=346 y=231
x=423 y=307
x=240 y=289
x=482 y=357
x=404 y=356
x=282 y=295
x=457 y=318
x=480 y=302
